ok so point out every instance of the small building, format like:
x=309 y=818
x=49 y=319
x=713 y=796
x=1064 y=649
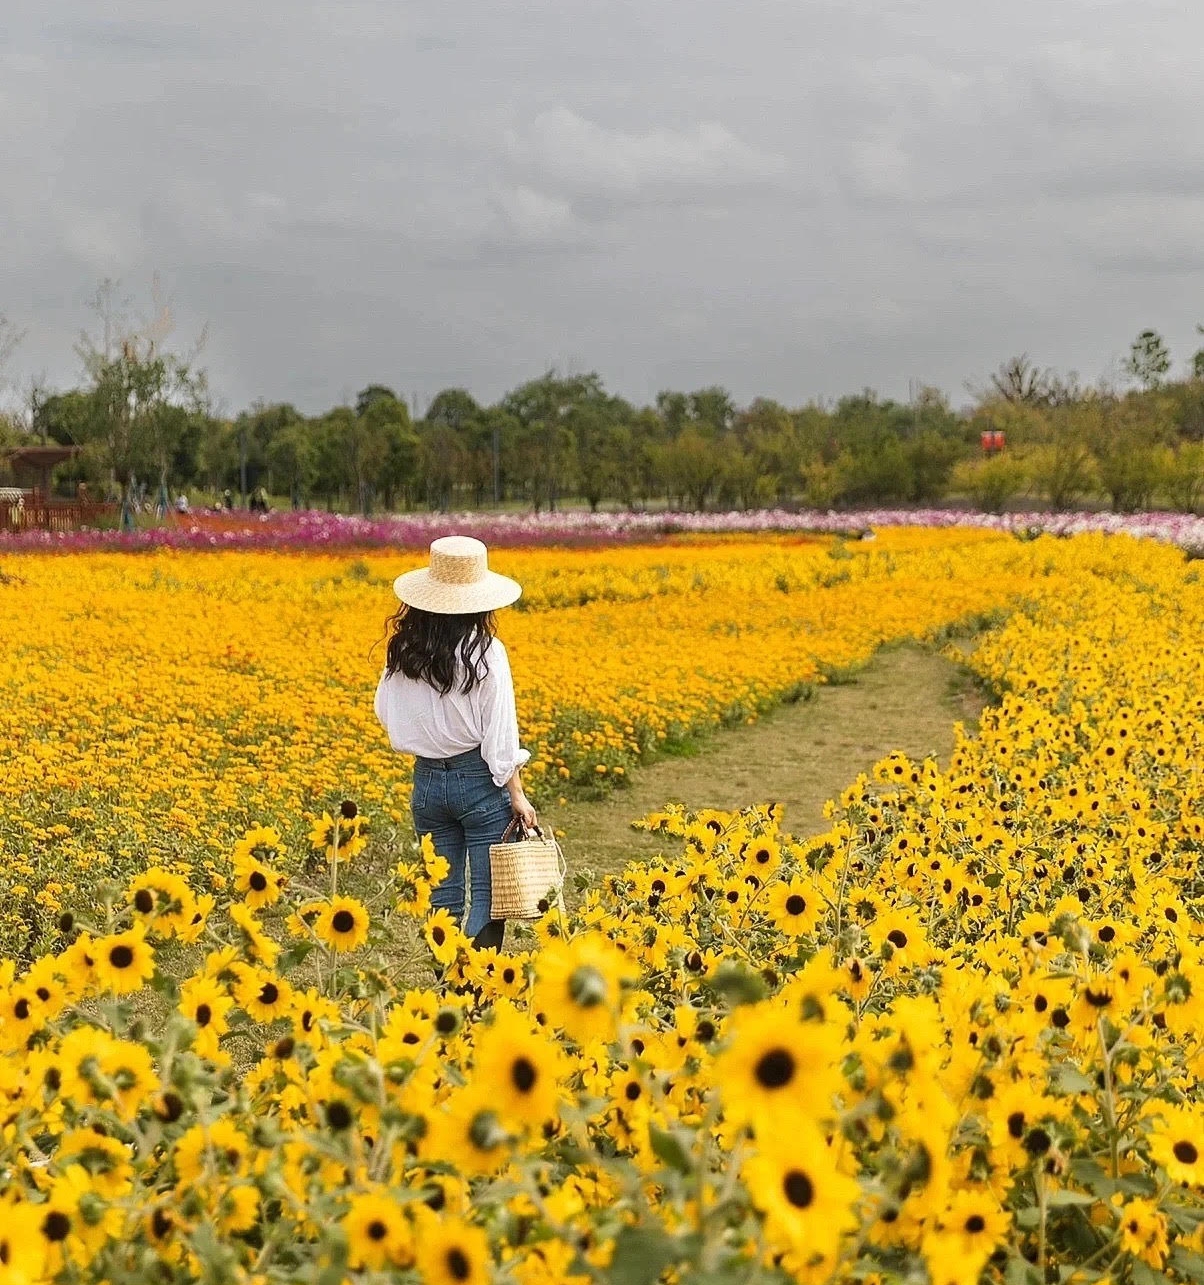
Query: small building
x=33 y=465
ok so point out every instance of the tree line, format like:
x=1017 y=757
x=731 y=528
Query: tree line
x=144 y=412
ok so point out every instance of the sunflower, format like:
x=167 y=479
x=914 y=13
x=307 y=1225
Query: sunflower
x=578 y=986
x=257 y=945
x=794 y=908
x=107 y=1160
x=521 y=1067
x=965 y=1234
x=194 y=918
x=128 y=1070
x=775 y=1063
x=77 y=965
x=342 y=924
x=258 y=883
x=21 y=1015
x=218 y=1147
x=444 y=937
x=470 y=1134
x=377 y=1233
x=1177 y=1146
x=263 y=995
x=22 y=1248
x=807 y=1202
x=157 y=897
x=205 y=1002
x=452 y=1252
x=73 y=1222
x=309 y=1011
x=261 y=843
x=123 y=962
x=1143 y=1228
x=762 y=857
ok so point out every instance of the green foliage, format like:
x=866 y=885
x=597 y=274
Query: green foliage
x=143 y=412
x=991 y=483
x=1149 y=359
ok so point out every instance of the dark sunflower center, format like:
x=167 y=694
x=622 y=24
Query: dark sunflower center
x=377 y=1230
x=269 y=993
x=458 y=1266
x=798 y=1189
x=203 y=1014
x=1016 y=1124
x=775 y=1069
x=343 y=921
x=160 y=1223
x=438 y=936
x=632 y=1092
x=56 y=1226
x=338 y=1115
x=144 y=902
x=975 y=1223
x=21 y=1008
x=523 y=1074
x=795 y=905
x=897 y=937
x=258 y=880
x=1186 y=1153
x=121 y=957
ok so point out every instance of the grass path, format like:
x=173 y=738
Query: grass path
x=908 y=698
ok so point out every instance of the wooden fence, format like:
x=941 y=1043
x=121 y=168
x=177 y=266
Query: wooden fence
x=35 y=514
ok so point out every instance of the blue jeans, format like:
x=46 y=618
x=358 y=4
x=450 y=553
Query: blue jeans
x=456 y=802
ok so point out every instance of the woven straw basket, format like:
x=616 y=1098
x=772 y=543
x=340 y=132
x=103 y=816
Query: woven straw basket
x=527 y=874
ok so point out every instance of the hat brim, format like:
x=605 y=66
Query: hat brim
x=420 y=589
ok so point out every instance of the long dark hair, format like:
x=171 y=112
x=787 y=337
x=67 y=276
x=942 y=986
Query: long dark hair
x=426 y=645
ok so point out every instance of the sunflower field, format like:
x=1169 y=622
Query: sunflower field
x=956 y=1037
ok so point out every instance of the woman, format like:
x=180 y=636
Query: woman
x=447 y=697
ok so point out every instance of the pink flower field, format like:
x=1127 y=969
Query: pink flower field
x=315 y=530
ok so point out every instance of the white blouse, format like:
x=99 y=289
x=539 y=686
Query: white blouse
x=421 y=721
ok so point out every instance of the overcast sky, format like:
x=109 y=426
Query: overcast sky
x=796 y=198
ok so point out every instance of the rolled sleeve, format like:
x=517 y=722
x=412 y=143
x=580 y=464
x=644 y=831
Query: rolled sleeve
x=499 y=717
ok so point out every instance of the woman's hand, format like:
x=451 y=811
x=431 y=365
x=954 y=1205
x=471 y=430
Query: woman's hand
x=523 y=809
x=519 y=803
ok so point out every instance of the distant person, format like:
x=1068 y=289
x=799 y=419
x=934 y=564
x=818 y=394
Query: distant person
x=228 y=498
x=182 y=502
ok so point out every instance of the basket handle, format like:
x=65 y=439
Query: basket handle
x=523 y=832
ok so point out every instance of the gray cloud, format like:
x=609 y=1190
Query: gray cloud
x=790 y=199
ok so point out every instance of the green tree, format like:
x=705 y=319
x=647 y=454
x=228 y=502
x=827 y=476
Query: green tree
x=293 y=460
x=1149 y=359
x=388 y=448
x=692 y=465
x=545 y=446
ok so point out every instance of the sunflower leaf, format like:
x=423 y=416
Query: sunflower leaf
x=1187 y=1263
x=1056 y=1198
x=738 y=984
x=1066 y=1079
x=640 y=1255
x=1141 y=1274
x=671 y=1147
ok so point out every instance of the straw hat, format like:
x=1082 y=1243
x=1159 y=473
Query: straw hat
x=458 y=580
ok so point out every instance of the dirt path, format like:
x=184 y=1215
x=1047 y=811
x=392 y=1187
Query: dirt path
x=907 y=698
